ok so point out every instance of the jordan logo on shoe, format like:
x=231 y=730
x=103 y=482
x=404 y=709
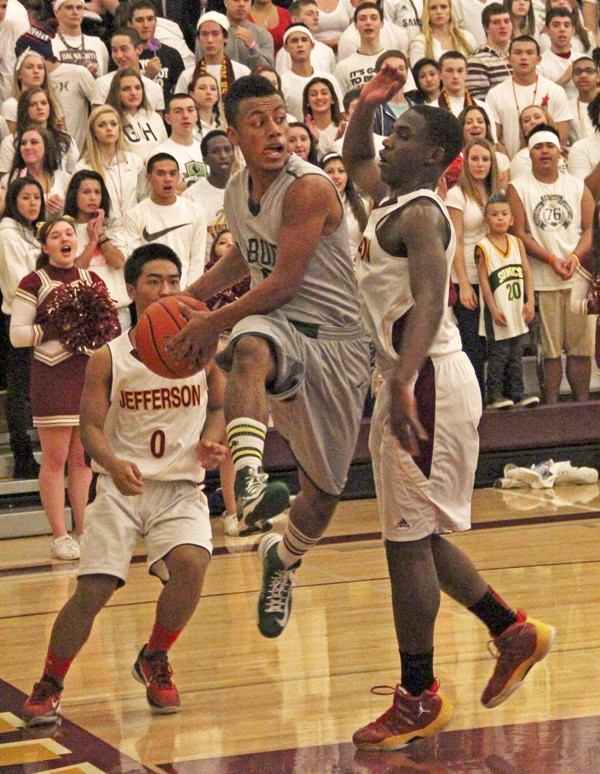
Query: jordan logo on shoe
x=423 y=711
x=55 y=703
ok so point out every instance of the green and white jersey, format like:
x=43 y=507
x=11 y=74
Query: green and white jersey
x=505 y=275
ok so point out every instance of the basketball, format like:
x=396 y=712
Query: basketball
x=160 y=321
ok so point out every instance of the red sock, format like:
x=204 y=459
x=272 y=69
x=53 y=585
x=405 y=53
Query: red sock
x=56 y=666
x=161 y=639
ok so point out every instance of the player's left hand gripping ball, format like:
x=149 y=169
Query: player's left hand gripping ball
x=161 y=321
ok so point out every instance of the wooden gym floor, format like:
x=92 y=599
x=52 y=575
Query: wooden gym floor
x=254 y=706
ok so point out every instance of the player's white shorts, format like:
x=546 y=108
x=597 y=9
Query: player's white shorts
x=167 y=514
x=430 y=493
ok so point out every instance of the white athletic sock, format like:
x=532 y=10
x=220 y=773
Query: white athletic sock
x=247 y=440
x=294 y=544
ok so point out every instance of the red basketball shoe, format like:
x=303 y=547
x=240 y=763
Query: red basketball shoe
x=154 y=671
x=518 y=648
x=408 y=719
x=43 y=703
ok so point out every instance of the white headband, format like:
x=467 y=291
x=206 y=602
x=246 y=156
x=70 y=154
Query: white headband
x=538 y=137
x=298 y=28
x=23 y=57
x=214 y=16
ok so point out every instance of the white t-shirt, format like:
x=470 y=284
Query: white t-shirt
x=332 y=24
x=15 y=10
x=154 y=93
x=321 y=58
x=189 y=158
x=553 y=212
x=185 y=78
x=113 y=278
x=73 y=87
x=81 y=50
x=584 y=156
x=356 y=70
x=405 y=14
x=143 y=132
x=473 y=230
x=211 y=200
x=181 y=226
x=326 y=143
x=8 y=111
x=581 y=125
x=355 y=232
x=292 y=87
x=391 y=37
x=10 y=30
x=505 y=108
x=553 y=67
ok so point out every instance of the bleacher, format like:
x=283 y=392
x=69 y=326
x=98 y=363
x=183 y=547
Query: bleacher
x=568 y=431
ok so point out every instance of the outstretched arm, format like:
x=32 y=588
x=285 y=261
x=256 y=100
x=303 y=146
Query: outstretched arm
x=359 y=149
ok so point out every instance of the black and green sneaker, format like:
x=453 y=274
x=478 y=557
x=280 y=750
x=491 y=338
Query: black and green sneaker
x=275 y=600
x=258 y=500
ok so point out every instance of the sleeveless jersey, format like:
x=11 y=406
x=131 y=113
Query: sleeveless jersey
x=384 y=284
x=553 y=213
x=505 y=275
x=327 y=295
x=153 y=421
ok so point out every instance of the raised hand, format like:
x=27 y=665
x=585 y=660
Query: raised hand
x=380 y=89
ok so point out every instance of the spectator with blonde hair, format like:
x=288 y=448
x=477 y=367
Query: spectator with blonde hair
x=29 y=72
x=440 y=33
x=105 y=151
x=478 y=180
